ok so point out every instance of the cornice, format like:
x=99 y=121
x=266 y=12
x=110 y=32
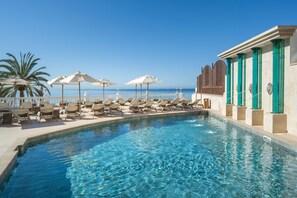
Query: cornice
x=277 y=32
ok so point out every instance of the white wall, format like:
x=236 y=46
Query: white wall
x=249 y=74
x=290 y=90
x=217 y=101
x=267 y=62
x=235 y=80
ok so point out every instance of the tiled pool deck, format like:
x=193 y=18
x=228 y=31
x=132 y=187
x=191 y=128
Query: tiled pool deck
x=14 y=138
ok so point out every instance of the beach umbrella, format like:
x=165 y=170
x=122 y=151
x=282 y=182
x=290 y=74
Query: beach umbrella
x=147 y=79
x=104 y=83
x=14 y=81
x=58 y=81
x=78 y=77
x=134 y=82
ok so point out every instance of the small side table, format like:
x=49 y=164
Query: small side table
x=36 y=109
x=6 y=117
x=57 y=113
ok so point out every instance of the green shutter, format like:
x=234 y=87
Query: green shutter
x=232 y=76
x=278 y=76
x=260 y=79
x=239 y=83
x=255 y=102
x=244 y=80
x=282 y=77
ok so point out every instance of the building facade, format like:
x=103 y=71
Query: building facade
x=210 y=85
x=212 y=79
x=261 y=80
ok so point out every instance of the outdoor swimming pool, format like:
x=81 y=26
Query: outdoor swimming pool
x=169 y=156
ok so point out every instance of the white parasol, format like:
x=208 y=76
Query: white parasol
x=104 y=83
x=78 y=77
x=14 y=81
x=134 y=82
x=58 y=81
x=147 y=79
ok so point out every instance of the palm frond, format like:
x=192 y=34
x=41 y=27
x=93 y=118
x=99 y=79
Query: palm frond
x=25 y=68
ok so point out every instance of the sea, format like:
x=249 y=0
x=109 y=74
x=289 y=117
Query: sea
x=125 y=93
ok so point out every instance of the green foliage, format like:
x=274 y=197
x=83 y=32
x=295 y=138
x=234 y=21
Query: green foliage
x=25 y=68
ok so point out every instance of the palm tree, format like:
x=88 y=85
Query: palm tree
x=25 y=69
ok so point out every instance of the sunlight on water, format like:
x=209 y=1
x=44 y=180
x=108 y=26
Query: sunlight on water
x=197 y=125
x=182 y=156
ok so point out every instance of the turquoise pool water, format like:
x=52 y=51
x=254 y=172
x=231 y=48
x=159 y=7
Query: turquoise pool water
x=182 y=156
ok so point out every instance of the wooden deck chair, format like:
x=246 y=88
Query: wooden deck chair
x=115 y=108
x=21 y=114
x=47 y=112
x=135 y=107
x=107 y=103
x=122 y=102
x=72 y=111
x=27 y=105
x=98 y=109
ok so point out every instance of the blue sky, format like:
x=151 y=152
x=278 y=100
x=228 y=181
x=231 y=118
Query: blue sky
x=123 y=39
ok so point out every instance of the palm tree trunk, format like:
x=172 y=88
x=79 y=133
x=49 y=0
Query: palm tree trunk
x=21 y=95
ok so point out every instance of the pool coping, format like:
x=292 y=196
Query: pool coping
x=283 y=139
x=9 y=158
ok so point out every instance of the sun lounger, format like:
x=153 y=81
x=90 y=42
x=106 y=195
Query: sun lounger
x=4 y=106
x=129 y=101
x=122 y=102
x=162 y=106
x=173 y=104
x=107 y=103
x=197 y=103
x=62 y=104
x=156 y=100
x=97 y=101
x=89 y=104
x=114 y=108
x=72 y=111
x=46 y=112
x=185 y=104
x=21 y=114
x=27 y=105
x=98 y=109
x=42 y=103
x=135 y=107
x=148 y=106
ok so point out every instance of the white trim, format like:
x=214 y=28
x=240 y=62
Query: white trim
x=277 y=32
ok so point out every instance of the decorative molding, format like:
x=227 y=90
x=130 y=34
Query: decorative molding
x=251 y=88
x=277 y=32
x=269 y=88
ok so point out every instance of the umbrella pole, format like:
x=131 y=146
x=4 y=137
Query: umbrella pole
x=147 y=88
x=62 y=94
x=103 y=92
x=14 y=102
x=141 y=91
x=135 y=91
x=79 y=90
